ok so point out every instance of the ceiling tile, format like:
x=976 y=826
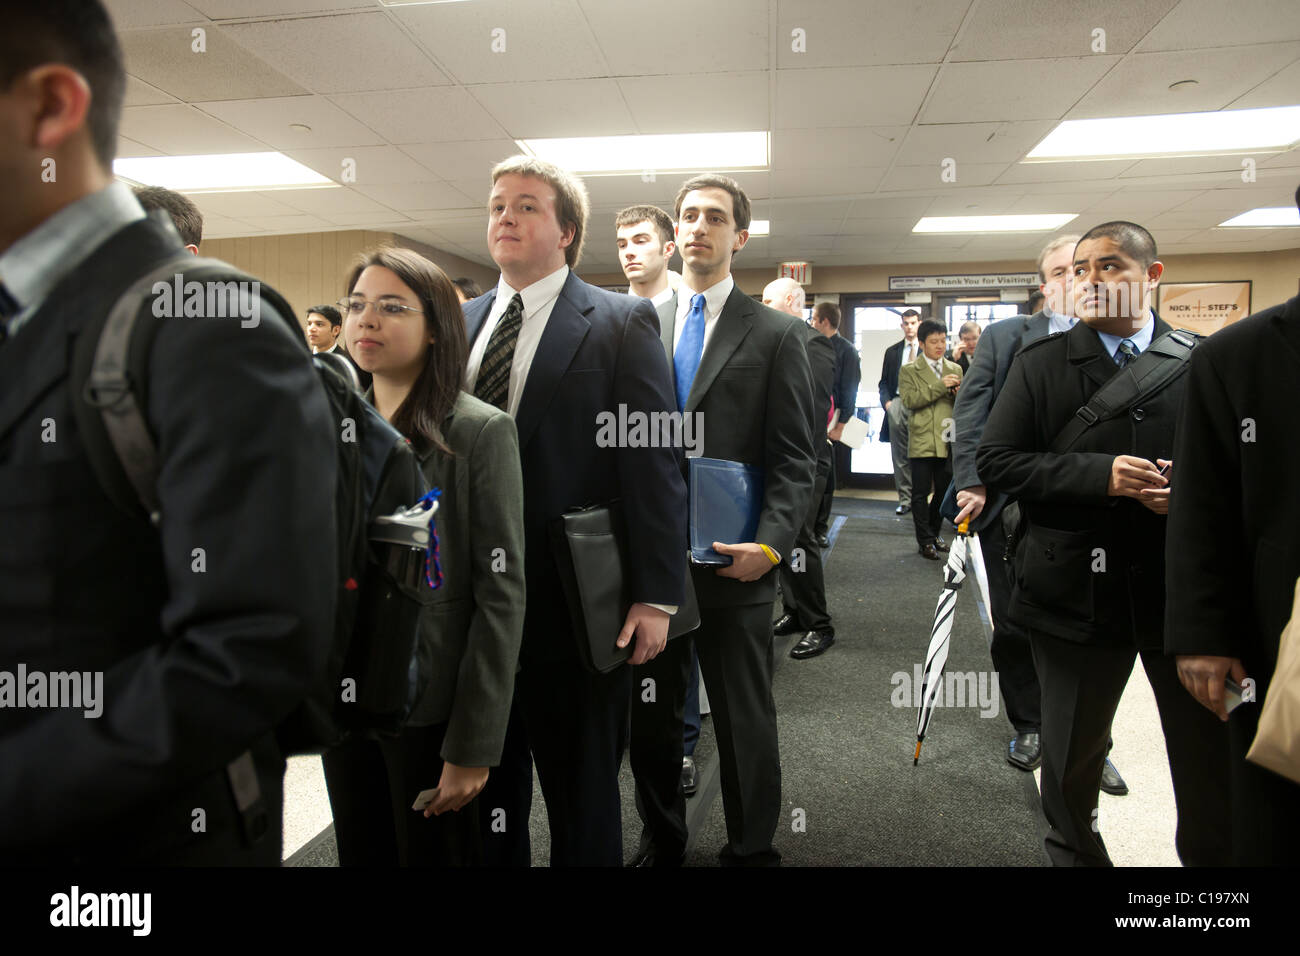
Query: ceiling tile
x=831 y=148
x=184 y=130
x=720 y=36
x=328 y=202
x=1010 y=91
x=865 y=33
x=1280 y=89
x=491 y=41
x=929 y=177
x=270 y=120
x=556 y=108
x=1068 y=174
x=465 y=160
x=130 y=14
x=882 y=96
x=140 y=93
x=166 y=60
x=1139 y=86
x=235 y=9
x=341 y=54
x=405 y=196
x=1202 y=24
x=825 y=182
x=1023 y=29
x=371 y=165
x=431 y=115
x=241 y=205
x=972 y=142
x=888 y=208
x=656 y=102
x=127 y=148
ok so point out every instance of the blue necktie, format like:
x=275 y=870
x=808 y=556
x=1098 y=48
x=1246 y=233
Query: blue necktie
x=690 y=348
x=1125 y=353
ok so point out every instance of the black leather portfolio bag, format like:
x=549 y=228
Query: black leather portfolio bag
x=590 y=548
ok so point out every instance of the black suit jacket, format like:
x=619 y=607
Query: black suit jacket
x=600 y=351
x=979 y=390
x=848 y=376
x=821 y=366
x=754 y=391
x=1233 y=558
x=889 y=369
x=1091 y=567
x=198 y=665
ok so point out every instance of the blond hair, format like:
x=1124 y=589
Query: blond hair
x=571 y=203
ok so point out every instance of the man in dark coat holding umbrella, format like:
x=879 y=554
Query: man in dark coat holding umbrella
x=1089 y=568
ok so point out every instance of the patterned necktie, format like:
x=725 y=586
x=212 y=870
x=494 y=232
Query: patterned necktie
x=690 y=348
x=493 y=383
x=1125 y=353
x=911 y=353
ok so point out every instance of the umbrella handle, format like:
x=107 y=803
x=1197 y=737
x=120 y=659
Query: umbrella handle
x=917 y=756
x=964 y=527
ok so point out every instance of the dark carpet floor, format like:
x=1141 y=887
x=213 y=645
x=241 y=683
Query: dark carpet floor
x=850 y=792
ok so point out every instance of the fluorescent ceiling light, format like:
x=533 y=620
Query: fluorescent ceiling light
x=1266 y=217
x=660 y=153
x=1039 y=223
x=1172 y=134
x=759 y=227
x=228 y=172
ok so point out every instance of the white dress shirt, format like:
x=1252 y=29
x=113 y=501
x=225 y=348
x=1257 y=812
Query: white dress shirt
x=662 y=297
x=539 y=299
x=715 y=298
x=1141 y=339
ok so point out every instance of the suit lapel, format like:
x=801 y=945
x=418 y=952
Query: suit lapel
x=31 y=363
x=1086 y=351
x=476 y=314
x=733 y=325
x=565 y=330
x=668 y=323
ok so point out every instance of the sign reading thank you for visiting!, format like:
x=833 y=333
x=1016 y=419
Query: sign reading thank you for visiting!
x=972 y=281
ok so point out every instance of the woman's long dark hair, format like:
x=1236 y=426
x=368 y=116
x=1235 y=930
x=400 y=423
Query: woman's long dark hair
x=443 y=376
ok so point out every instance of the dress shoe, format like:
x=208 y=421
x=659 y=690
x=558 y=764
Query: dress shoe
x=786 y=625
x=812 y=644
x=1111 y=781
x=690 y=779
x=928 y=551
x=823 y=541
x=1026 y=752
x=940 y=545
x=902 y=509
x=645 y=855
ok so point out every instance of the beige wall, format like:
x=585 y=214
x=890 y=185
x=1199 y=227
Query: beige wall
x=312 y=268
x=1274 y=275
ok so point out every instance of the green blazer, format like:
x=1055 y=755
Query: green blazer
x=930 y=428
x=470 y=635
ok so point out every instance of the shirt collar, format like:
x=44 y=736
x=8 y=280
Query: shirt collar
x=662 y=297
x=1141 y=339
x=1057 y=322
x=536 y=295
x=33 y=265
x=715 y=297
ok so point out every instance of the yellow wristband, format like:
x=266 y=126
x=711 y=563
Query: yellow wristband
x=771 y=555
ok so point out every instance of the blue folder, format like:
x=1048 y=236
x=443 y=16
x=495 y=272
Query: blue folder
x=726 y=498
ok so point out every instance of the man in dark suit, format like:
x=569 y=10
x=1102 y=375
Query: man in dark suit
x=556 y=352
x=744 y=368
x=848 y=376
x=803 y=586
x=1090 y=568
x=894 y=427
x=202 y=629
x=988 y=371
x=968 y=338
x=1233 y=563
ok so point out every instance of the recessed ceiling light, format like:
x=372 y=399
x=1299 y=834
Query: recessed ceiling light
x=1183 y=84
x=1266 y=217
x=1036 y=223
x=300 y=127
x=657 y=153
x=227 y=172
x=1171 y=134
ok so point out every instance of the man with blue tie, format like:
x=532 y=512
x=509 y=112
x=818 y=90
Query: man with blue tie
x=743 y=368
x=1089 y=578
x=556 y=353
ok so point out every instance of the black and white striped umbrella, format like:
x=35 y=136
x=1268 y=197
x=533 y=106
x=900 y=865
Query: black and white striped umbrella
x=954 y=573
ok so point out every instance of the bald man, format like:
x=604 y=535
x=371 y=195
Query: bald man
x=803 y=588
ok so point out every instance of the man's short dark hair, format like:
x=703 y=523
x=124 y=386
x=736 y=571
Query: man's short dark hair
x=928 y=328
x=1297 y=197
x=910 y=312
x=78 y=33
x=829 y=313
x=1136 y=242
x=1035 y=303
x=739 y=201
x=331 y=313
x=662 y=222
x=185 y=215
x=468 y=286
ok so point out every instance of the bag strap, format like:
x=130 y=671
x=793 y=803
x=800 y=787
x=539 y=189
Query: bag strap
x=1163 y=361
x=110 y=401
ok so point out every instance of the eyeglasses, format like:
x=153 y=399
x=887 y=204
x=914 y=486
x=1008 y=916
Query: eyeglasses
x=389 y=308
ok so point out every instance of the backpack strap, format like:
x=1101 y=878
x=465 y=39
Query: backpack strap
x=1163 y=361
